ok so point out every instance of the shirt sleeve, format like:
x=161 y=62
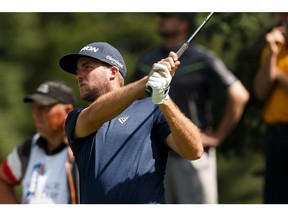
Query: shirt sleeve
x=12 y=167
x=70 y=127
x=220 y=77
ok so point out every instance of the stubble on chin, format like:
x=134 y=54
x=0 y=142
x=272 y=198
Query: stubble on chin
x=88 y=95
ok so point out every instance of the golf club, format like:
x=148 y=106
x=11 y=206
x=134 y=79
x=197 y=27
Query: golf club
x=186 y=44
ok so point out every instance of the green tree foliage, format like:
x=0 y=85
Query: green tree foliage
x=31 y=45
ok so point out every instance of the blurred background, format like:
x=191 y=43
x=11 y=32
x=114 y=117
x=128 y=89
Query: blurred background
x=31 y=45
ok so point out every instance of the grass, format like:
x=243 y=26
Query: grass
x=240 y=179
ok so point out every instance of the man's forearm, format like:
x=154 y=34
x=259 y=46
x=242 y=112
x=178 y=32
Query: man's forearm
x=237 y=99
x=186 y=136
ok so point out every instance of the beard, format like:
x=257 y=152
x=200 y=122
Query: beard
x=88 y=96
x=91 y=93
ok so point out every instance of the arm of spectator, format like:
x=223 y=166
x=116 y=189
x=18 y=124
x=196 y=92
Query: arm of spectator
x=8 y=194
x=237 y=98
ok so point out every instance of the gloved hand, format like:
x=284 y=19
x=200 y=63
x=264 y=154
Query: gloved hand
x=159 y=84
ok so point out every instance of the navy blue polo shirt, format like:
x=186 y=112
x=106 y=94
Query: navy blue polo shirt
x=125 y=160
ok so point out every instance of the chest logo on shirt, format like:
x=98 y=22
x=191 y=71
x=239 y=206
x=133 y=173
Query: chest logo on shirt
x=40 y=168
x=122 y=120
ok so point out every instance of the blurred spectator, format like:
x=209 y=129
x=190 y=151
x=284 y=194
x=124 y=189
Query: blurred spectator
x=44 y=163
x=201 y=76
x=271 y=87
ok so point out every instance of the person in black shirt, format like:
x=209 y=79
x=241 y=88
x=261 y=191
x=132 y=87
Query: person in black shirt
x=200 y=76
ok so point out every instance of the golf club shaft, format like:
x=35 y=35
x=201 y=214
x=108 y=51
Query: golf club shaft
x=185 y=46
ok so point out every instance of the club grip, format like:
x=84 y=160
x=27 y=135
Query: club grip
x=182 y=49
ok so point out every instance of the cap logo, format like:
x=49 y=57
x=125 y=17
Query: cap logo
x=44 y=88
x=89 y=48
x=114 y=61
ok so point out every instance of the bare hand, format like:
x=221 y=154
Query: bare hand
x=209 y=139
x=275 y=39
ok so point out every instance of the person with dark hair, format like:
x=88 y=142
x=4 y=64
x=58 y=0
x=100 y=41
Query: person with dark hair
x=200 y=77
x=120 y=142
x=44 y=163
x=271 y=88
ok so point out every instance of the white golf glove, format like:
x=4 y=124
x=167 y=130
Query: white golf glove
x=159 y=84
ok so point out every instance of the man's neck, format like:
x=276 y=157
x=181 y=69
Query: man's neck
x=54 y=142
x=173 y=43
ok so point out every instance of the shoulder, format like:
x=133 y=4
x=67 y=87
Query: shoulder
x=17 y=160
x=73 y=115
x=70 y=122
x=76 y=111
x=25 y=147
x=142 y=108
x=145 y=107
x=144 y=104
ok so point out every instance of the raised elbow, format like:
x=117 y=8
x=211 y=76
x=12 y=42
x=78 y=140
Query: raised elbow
x=197 y=152
x=245 y=97
x=242 y=96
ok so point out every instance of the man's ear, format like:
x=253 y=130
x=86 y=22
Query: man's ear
x=114 y=72
x=69 y=108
